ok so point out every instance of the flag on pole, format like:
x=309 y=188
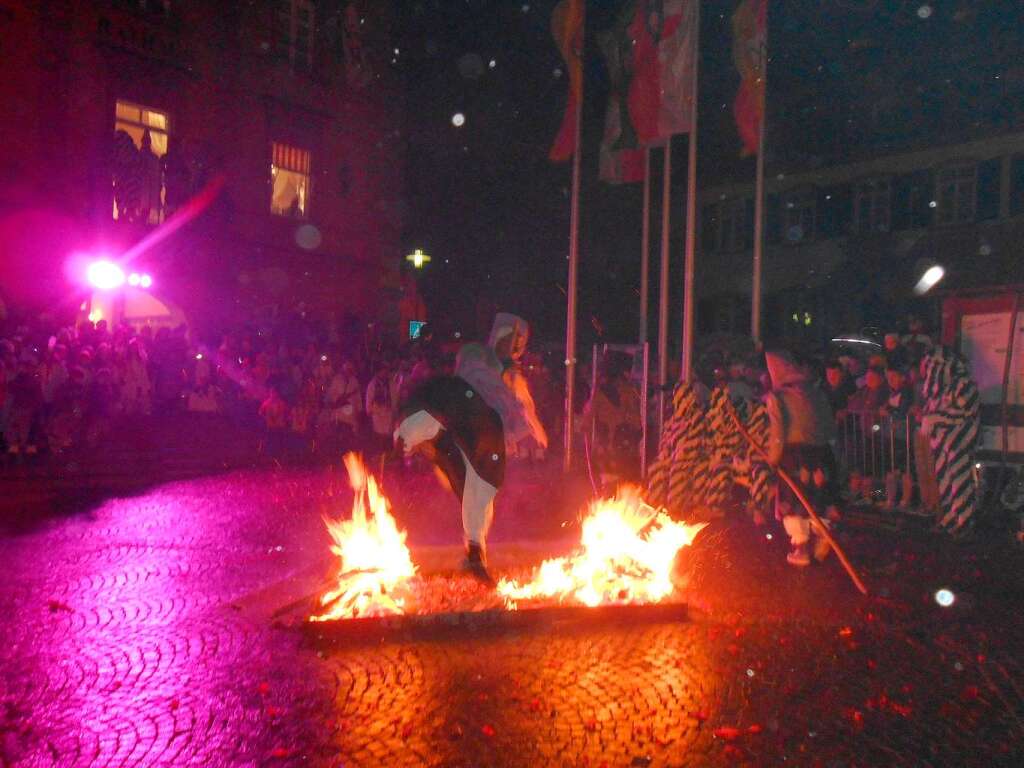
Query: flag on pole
x=567 y=28
x=749 y=27
x=661 y=89
x=622 y=158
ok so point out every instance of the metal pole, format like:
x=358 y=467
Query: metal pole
x=666 y=211
x=691 y=209
x=570 y=322
x=643 y=413
x=645 y=248
x=755 y=291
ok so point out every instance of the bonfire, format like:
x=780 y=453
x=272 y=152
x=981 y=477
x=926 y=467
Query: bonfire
x=374 y=560
x=626 y=556
x=627 y=552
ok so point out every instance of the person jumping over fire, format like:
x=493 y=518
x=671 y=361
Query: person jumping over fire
x=463 y=423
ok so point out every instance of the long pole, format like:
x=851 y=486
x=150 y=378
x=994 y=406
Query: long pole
x=755 y=290
x=666 y=211
x=645 y=248
x=570 y=322
x=798 y=491
x=691 y=209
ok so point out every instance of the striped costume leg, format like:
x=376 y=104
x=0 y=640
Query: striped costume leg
x=719 y=480
x=958 y=496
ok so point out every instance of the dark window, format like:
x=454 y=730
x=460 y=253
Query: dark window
x=989 y=188
x=1017 y=185
x=709 y=228
x=911 y=204
x=834 y=211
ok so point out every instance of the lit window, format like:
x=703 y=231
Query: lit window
x=295 y=26
x=872 y=205
x=956 y=194
x=289 y=176
x=136 y=172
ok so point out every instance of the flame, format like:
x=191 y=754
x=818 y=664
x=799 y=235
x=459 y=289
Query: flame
x=627 y=552
x=374 y=558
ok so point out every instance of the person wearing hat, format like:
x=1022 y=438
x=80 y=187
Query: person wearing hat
x=463 y=422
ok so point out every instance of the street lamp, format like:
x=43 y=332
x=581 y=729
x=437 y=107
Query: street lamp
x=418 y=258
x=929 y=277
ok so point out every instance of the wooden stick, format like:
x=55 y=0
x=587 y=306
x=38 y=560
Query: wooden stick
x=795 y=487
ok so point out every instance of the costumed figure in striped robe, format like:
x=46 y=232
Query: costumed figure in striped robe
x=677 y=477
x=950 y=420
x=726 y=447
x=759 y=474
x=463 y=422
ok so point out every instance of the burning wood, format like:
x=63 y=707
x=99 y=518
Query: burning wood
x=628 y=549
x=375 y=561
x=626 y=556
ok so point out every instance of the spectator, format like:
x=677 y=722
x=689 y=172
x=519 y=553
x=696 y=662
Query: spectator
x=382 y=406
x=839 y=387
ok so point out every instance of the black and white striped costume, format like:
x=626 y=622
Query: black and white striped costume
x=760 y=475
x=725 y=444
x=951 y=423
x=677 y=476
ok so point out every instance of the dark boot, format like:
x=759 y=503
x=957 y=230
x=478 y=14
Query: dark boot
x=475 y=565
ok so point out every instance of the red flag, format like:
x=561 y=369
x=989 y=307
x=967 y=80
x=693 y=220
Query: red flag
x=661 y=91
x=622 y=159
x=749 y=27
x=567 y=28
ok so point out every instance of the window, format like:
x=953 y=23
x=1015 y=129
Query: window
x=734 y=225
x=798 y=216
x=294 y=27
x=289 y=177
x=872 y=205
x=140 y=143
x=956 y=188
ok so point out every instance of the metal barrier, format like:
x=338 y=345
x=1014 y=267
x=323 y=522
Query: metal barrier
x=876 y=447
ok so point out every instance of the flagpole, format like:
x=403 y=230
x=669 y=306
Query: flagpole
x=666 y=211
x=570 y=323
x=691 y=210
x=645 y=248
x=755 y=289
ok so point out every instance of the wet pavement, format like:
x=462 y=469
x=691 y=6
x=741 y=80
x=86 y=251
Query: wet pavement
x=142 y=631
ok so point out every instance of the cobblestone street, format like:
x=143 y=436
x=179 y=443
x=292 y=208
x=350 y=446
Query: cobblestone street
x=142 y=631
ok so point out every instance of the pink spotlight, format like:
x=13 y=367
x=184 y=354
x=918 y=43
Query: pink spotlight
x=134 y=279
x=146 y=281
x=105 y=275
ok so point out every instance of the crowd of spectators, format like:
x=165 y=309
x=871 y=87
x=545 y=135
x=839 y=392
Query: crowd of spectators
x=300 y=393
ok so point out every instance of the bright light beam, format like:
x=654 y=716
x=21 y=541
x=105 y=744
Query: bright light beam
x=928 y=280
x=105 y=275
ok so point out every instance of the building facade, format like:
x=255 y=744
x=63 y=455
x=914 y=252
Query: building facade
x=845 y=244
x=120 y=114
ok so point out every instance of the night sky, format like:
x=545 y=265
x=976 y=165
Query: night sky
x=484 y=200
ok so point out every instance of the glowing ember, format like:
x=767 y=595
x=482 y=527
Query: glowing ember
x=628 y=549
x=374 y=558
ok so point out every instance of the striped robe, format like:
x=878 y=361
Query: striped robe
x=677 y=475
x=725 y=444
x=760 y=474
x=951 y=423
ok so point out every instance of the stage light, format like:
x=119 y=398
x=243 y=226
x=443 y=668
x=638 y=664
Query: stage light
x=146 y=281
x=945 y=598
x=134 y=278
x=105 y=275
x=418 y=258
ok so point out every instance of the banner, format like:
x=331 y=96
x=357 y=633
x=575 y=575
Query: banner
x=749 y=27
x=567 y=28
x=661 y=89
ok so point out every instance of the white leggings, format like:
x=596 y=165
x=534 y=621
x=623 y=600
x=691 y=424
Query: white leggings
x=477 y=495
